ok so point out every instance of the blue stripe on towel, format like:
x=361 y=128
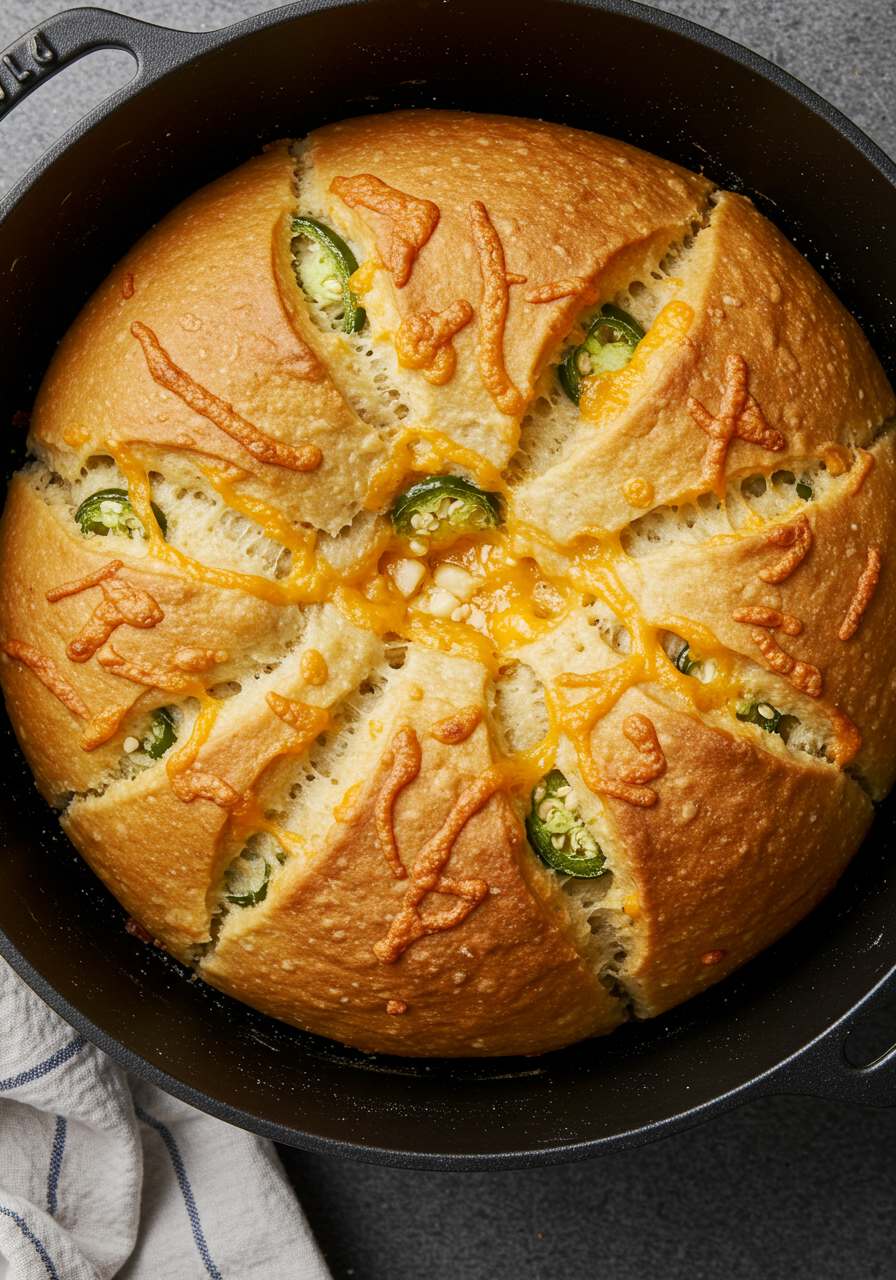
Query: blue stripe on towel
x=55 y=1164
x=29 y=1235
x=184 y=1184
x=42 y=1068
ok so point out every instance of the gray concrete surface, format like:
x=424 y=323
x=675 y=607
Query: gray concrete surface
x=784 y=1189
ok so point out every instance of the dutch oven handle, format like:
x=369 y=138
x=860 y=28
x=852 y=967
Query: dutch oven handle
x=70 y=35
x=823 y=1070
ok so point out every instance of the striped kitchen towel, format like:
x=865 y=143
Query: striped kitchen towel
x=103 y=1175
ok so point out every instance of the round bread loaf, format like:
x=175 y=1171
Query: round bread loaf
x=464 y=651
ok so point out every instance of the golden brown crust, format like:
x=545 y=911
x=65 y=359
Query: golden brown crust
x=491 y=973
x=202 y=358
x=335 y=738
x=746 y=294
x=720 y=585
x=517 y=200
x=740 y=846
x=43 y=554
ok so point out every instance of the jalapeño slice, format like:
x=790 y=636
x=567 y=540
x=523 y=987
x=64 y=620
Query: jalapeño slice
x=684 y=661
x=762 y=714
x=324 y=275
x=443 y=506
x=161 y=734
x=249 y=897
x=558 y=835
x=608 y=346
x=110 y=511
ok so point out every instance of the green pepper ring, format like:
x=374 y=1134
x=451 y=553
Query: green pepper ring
x=254 y=896
x=684 y=661
x=566 y=863
x=165 y=738
x=609 y=317
x=85 y=520
x=771 y=724
x=354 y=317
x=409 y=502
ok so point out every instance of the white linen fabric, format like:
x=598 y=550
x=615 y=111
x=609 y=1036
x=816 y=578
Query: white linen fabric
x=102 y=1175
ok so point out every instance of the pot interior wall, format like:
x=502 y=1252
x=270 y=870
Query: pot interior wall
x=612 y=72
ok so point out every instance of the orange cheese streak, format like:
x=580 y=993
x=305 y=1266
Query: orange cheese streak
x=424 y=341
x=403 y=763
x=493 y=311
x=865 y=588
x=169 y=681
x=122 y=603
x=607 y=394
x=263 y=447
x=100 y=728
x=458 y=727
x=739 y=416
x=572 y=287
x=797 y=537
x=802 y=675
x=865 y=464
x=189 y=783
x=49 y=675
x=762 y=616
x=412 y=220
x=427 y=876
x=578 y=723
x=641 y=733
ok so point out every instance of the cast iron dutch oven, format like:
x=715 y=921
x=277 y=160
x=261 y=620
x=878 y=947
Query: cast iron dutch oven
x=201 y=104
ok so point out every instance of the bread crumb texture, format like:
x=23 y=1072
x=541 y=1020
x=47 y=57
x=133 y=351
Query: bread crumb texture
x=449 y=597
